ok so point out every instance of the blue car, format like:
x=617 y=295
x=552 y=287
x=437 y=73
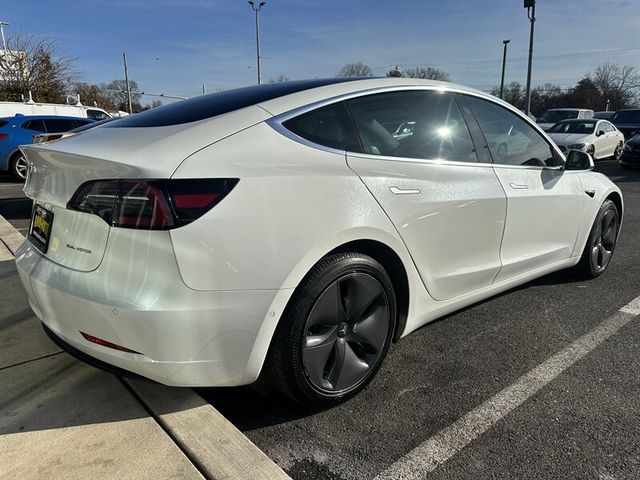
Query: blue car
x=19 y=130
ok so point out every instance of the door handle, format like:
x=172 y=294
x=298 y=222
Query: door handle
x=519 y=186
x=404 y=191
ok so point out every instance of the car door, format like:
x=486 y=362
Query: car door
x=611 y=138
x=448 y=207
x=544 y=202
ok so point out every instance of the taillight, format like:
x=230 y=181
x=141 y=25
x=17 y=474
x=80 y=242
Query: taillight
x=3 y=136
x=150 y=204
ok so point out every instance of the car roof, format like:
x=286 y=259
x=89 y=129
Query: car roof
x=582 y=120
x=567 y=109
x=274 y=98
x=22 y=118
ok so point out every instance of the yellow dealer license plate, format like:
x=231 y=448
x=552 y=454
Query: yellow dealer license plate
x=40 y=229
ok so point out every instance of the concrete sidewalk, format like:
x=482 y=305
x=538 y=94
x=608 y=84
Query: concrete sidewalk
x=60 y=418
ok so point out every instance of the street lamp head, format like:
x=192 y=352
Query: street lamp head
x=506 y=41
x=250 y=2
x=262 y=3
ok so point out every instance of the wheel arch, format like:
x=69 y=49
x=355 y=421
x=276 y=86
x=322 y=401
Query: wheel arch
x=391 y=262
x=388 y=256
x=616 y=198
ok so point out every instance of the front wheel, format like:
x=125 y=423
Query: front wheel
x=601 y=242
x=335 y=332
x=19 y=167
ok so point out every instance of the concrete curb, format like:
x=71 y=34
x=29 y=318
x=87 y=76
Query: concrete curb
x=10 y=239
x=218 y=449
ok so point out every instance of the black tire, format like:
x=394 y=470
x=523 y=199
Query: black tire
x=363 y=325
x=18 y=167
x=591 y=150
x=618 y=151
x=601 y=242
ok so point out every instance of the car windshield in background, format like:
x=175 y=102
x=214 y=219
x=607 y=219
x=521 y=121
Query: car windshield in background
x=577 y=126
x=629 y=116
x=553 y=117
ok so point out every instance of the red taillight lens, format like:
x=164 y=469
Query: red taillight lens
x=3 y=136
x=106 y=343
x=150 y=204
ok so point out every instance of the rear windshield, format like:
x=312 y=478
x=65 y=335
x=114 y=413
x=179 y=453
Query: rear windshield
x=627 y=116
x=207 y=106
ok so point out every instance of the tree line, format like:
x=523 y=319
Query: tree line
x=609 y=86
x=34 y=65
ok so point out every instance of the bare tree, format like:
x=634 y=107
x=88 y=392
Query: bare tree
x=619 y=85
x=34 y=65
x=394 y=71
x=430 y=73
x=117 y=91
x=92 y=94
x=357 y=69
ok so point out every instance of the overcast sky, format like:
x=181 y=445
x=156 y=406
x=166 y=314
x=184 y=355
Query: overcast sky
x=176 y=46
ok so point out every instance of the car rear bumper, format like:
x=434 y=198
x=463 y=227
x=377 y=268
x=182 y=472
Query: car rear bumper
x=183 y=337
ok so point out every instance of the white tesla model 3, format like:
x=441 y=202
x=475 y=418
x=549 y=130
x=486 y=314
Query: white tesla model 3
x=289 y=230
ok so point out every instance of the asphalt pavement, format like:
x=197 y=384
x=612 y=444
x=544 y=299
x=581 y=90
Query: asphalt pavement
x=582 y=423
x=585 y=423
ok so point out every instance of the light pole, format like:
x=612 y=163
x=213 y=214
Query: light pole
x=257 y=10
x=127 y=86
x=530 y=5
x=504 y=64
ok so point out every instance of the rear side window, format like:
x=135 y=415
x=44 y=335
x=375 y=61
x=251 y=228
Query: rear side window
x=329 y=126
x=34 y=125
x=81 y=123
x=56 y=125
x=412 y=124
x=3 y=123
x=208 y=106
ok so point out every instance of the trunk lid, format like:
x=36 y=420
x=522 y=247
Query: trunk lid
x=78 y=240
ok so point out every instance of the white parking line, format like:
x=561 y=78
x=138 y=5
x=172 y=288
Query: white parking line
x=435 y=451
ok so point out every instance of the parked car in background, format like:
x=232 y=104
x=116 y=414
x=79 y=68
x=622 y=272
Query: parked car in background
x=50 y=137
x=604 y=115
x=20 y=129
x=554 y=115
x=9 y=109
x=598 y=138
x=627 y=121
x=207 y=242
x=631 y=153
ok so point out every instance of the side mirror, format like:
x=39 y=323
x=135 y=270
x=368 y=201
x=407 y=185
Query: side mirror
x=599 y=133
x=578 y=160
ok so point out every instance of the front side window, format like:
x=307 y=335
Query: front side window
x=97 y=114
x=511 y=140
x=412 y=124
x=329 y=126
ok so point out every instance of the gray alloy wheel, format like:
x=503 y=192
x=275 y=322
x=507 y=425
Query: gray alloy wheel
x=334 y=333
x=618 y=151
x=19 y=167
x=601 y=242
x=604 y=241
x=345 y=333
x=591 y=150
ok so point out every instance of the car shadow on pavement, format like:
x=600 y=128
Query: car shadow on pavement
x=251 y=408
x=15 y=208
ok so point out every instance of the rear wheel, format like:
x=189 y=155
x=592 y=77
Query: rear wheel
x=618 y=151
x=19 y=167
x=591 y=150
x=335 y=331
x=601 y=242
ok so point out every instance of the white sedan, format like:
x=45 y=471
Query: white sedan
x=283 y=230
x=599 y=138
